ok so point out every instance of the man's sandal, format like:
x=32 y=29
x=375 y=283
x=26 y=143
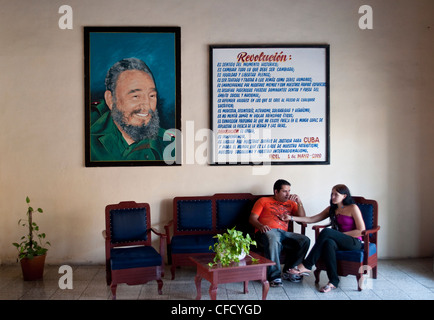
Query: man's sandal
x=327 y=288
x=297 y=272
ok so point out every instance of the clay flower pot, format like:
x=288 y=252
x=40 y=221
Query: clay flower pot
x=33 y=269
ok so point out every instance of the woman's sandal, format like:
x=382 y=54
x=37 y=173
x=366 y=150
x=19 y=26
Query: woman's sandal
x=327 y=288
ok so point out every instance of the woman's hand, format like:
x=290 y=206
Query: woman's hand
x=284 y=217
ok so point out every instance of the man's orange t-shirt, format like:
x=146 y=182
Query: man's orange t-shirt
x=268 y=209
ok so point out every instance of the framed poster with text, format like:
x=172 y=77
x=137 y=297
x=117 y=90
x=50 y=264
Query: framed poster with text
x=270 y=104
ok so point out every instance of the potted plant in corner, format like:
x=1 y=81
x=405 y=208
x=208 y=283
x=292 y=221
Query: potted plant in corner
x=32 y=248
x=231 y=246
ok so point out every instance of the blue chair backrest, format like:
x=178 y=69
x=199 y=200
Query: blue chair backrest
x=232 y=213
x=368 y=214
x=128 y=225
x=194 y=215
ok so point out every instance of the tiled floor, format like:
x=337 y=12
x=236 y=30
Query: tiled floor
x=397 y=280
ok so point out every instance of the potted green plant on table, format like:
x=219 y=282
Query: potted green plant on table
x=231 y=246
x=32 y=248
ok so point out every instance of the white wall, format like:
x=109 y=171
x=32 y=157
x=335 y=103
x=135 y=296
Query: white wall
x=381 y=115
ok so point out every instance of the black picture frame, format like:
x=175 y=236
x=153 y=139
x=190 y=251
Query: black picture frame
x=160 y=49
x=270 y=104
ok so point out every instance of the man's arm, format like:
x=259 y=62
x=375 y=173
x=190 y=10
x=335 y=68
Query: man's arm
x=300 y=210
x=254 y=221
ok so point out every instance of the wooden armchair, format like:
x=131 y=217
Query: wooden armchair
x=357 y=262
x=130 y=257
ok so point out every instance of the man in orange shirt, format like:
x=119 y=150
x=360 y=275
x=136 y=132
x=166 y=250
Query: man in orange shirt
x=270 y=217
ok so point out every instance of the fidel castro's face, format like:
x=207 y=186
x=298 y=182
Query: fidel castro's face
x=136 y=97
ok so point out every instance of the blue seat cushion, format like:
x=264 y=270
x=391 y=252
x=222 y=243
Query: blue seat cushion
x=134 y=257
x=355 y=255
x=192 y=243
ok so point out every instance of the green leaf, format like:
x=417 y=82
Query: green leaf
x=29 y=246
x=230 y=245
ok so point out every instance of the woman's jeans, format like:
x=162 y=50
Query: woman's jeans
x=295 y=246
x=328 y=242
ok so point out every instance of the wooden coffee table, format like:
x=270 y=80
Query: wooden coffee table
x=245 y=270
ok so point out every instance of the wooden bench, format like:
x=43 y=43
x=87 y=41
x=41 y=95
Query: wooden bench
x=196 y=220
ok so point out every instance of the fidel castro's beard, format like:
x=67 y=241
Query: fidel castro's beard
x=137 y=133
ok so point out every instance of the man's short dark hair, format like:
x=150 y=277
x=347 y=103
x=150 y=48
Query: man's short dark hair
x=279 y=183
x=121 y=66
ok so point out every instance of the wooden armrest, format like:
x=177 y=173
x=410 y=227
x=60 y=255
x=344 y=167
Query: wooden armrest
x=370 y=231
x=162 y=248
x=161 y=235
x=167 y=229
x=169 y=224
x=303 y=227
x=365 y=235
x=366 y=240
x=317 y=229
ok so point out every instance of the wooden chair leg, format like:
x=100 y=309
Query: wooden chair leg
x=113 y=288
x=359 y=278
x=172 y=270
x=374 y=272
x=160 y=286
x=108 y=276
x=317 y=274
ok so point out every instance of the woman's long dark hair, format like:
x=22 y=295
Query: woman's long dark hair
x=341 y=189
